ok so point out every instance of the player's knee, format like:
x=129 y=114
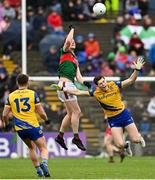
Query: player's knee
x=78 y=112
x=69 y=115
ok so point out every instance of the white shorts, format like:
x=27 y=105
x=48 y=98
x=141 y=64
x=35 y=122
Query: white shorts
x=64 y=96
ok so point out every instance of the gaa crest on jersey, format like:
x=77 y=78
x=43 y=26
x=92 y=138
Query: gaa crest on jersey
x=40 y=131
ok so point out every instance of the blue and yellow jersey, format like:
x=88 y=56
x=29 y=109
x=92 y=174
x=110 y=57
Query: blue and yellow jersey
x=110 y=100
x=22 y=103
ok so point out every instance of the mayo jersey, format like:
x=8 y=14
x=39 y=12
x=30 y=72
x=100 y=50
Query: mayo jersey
x=67 y=65
x=22 y=103
x=110 y=100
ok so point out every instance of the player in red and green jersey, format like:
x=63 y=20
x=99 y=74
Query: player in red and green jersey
x=67 y=72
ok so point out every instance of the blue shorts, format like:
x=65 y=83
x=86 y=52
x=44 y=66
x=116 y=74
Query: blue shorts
x=32 y=134
x=121 y=120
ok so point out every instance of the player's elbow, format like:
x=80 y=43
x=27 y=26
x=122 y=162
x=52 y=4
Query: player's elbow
x=43 y=116
x=4 y=117
x=68 y=43
x=131 y=81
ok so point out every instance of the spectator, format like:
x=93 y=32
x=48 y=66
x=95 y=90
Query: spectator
x=9 y=11
x=147 y=22
x=42 y=32
x=87 y=11
x=111 y=61
x=148 y=32
x=92 y=46
x=136 y=44
x=121 y=59
x=80 y=50
x=39 y=19
x=132 y=57
x=55 y=20
x=143 y=6
x=30 y=15
x=133 y=9
x=3 y=82
x=14 y=3
x=120 y=24
x=151 y=107
x=132 y=21
x=51 y=60
x=12 y=80
x=79 y=11
x=56 y=6
x=145 y=127
x=106 y=70
x=30 y=36
x=118 y=42
x=4 y=24
x=152 y=59
x=1 y=11
x=68 y=10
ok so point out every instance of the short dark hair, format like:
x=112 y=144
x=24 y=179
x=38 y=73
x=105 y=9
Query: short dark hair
x=97 y=78
x=22 y=79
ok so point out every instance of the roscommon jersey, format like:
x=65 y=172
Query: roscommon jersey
x=67 y=65
x=22 y=103
x=110 y=100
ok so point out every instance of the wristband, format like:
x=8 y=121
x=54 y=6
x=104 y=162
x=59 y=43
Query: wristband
x=87 y=84
x=137 y=69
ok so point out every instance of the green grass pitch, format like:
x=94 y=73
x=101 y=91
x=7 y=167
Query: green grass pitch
x=80 y=168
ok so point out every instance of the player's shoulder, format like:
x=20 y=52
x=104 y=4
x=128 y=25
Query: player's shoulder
x=115 y=84
x=111 y=83
x=97 y=90
x=12 y=93
x=30 y=91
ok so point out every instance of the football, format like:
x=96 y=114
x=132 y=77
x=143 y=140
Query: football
x=99 y=9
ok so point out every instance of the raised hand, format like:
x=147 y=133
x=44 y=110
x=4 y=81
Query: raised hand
x=139 y=63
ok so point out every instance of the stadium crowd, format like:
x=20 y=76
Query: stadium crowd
x=45 y=32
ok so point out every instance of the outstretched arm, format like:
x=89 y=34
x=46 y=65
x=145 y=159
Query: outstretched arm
x=138 y=66
x=81 y=80
x=79 y=76
x=76 y=92
x=69 y=39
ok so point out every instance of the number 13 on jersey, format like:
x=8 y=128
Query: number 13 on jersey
x=22 y=102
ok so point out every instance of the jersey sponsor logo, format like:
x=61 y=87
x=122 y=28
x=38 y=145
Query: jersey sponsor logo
x=106 y=96
x=40 y=131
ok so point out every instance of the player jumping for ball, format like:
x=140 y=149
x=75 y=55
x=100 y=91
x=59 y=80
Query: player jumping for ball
x=119 y=118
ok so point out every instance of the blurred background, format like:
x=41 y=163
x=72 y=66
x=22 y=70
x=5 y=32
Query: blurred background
x=106 y=45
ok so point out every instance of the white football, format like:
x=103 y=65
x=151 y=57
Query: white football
x=99 y=9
